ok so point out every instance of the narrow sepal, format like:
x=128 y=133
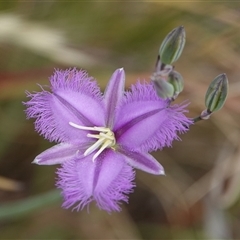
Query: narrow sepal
x=142 y=161
x=113 y=95
x=58 y=154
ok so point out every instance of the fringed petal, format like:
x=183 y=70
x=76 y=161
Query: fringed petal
x=107 y=180
x=146 y=122
x=75 y=178
x=175 y=123
x=114 y=182
x=74 y=98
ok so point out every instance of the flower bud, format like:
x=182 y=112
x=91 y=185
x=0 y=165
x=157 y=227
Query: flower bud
x=176 y=80
x=172 y=46
x=217 y=93
x=164 y=89
x=165 y=71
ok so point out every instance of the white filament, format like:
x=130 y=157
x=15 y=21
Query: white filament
x=106 y=139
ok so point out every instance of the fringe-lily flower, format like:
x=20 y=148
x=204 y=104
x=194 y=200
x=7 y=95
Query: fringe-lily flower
x=102 y=137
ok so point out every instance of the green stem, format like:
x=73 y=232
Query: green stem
x=197 y=119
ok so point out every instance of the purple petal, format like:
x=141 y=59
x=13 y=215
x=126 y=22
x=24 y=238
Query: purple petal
x=145 y=122
x=107 y=181
x=75 y=98
x=142 y=161
x=59 y=154
x=114 y=182
x=113 y=94
x=75 y=178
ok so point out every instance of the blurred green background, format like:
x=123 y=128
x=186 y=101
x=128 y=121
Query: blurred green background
x=199 y=196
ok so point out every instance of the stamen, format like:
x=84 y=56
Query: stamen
x=98 y=129
x=106 y=139
x=95 y=146
x=110 y=137
x=80 y=127
x=93 y=135
x=104 y=146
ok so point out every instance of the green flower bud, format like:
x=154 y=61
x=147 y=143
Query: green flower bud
x=172 y=46
x=176 y=79
x=217 y=93
x=164 y=89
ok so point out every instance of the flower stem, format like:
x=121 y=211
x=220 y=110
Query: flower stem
x=197 y=119
x=203 y=116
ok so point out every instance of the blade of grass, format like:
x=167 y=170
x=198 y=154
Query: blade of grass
x=23 y=207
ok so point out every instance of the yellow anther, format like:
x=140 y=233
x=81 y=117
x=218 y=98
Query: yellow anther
x=106 y=139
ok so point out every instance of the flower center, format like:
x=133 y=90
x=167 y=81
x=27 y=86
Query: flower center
x=106 y=139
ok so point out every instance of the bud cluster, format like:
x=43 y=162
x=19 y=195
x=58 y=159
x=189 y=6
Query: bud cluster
x=169 y=83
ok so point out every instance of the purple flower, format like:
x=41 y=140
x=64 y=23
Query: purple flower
x=102 y=137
